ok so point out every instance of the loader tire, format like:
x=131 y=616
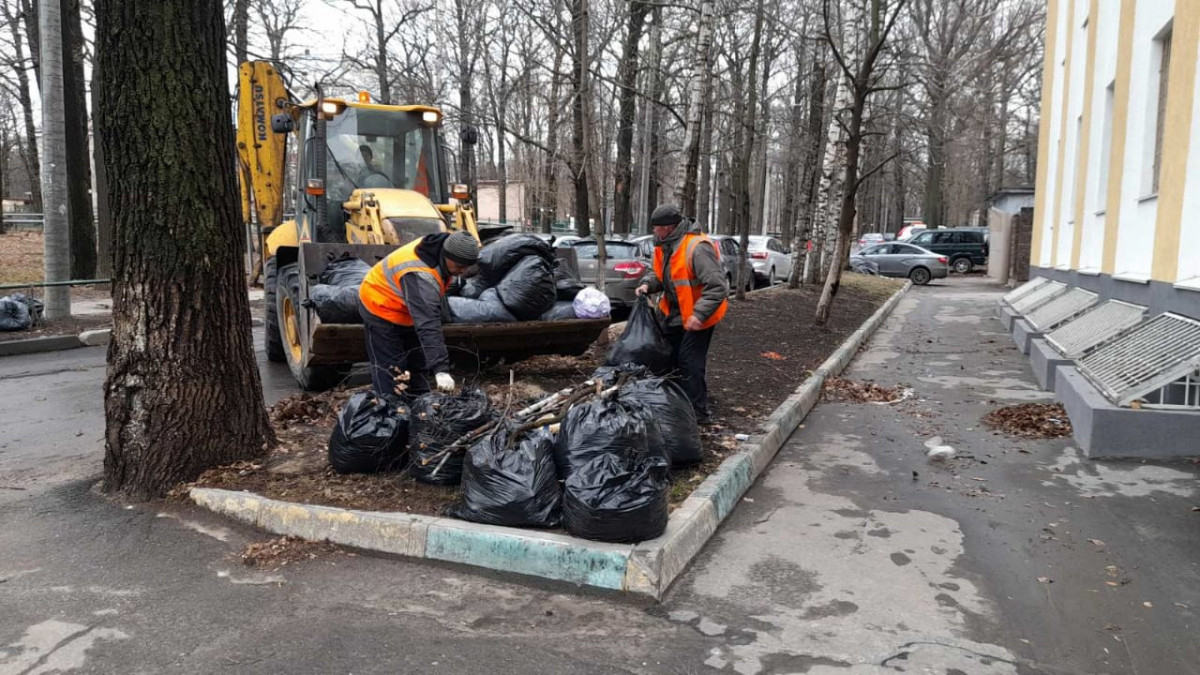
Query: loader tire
x=287 y=303
x=272 y=342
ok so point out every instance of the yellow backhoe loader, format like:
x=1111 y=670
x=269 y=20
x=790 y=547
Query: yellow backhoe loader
x=368 y=178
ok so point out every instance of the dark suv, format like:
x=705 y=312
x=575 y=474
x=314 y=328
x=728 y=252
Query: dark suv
x=966 y=247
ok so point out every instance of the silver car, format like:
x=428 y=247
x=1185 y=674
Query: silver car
x=624 y=268
x=771 y=259
x=902 y=260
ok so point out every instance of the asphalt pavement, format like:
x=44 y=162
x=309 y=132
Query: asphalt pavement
x=852 y=554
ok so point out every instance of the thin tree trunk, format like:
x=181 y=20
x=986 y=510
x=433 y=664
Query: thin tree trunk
x=104 y=224
x=381 y=55
x=25 y=98
x=749 y=125
x=79 y=173
x=54 y=169
x=183 y=393
x=627 y=76
x=649 y=180
x=830 y=186
x=552 y=124
x=685 y=182
x=760 y=144
x=579 y=170
x=935 y=180
x=704 y=190
x=814 y=149
x=241 y=31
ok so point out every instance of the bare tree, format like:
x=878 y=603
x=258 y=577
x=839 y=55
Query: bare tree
x=385 y=20
x=79 y=173
x=627 y=76
x=17 y=62
x=749 y=124
x=863 y=71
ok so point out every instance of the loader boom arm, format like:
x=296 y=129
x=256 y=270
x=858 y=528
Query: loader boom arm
x=261 y=153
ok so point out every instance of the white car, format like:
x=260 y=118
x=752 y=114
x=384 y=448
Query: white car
x=771 y=260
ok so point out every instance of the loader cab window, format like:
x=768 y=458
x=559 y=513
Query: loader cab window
x=381 y=149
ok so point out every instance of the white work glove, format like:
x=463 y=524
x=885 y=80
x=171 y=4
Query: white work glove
x=444 y=382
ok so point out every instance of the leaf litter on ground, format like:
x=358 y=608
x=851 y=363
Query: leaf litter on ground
x=1030 y=420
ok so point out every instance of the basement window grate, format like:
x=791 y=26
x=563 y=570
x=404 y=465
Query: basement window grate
x=1143 y=361
x=1024 y=289
x=1083 y=334
x=1039 y=297
x=1063 y=308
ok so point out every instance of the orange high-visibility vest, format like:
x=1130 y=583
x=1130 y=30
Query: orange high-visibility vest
x=687 y=287
x=380 y=290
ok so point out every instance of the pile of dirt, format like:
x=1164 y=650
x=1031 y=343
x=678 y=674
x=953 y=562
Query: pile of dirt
x=841 y=390
x=1030 y=420
x=276 y=553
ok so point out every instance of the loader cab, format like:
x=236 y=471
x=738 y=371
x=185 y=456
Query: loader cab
x=369 y=146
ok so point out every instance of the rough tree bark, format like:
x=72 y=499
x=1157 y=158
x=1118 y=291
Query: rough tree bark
x=104 y=224
x=551 y=163
x=79 y=170
x=580 y=159
x=627 y=75
x=241 y=31
x=57 y=226
x=183 y=393
x=648 y=193
x=749 y=125
x=704 y=190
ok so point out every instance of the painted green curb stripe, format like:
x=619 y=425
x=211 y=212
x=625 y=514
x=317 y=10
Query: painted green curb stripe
x=537 y=557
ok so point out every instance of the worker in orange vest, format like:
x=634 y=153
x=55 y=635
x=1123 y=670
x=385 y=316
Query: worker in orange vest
x=687 y=271
x=400 y=301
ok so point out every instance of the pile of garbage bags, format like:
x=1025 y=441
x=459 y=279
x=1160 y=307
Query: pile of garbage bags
x=517 y=281
x=438 y=420
x=335 y=295
x=19 y=312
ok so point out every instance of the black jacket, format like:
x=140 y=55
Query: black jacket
x=424 y=300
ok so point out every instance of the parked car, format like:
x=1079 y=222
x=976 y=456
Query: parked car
x=624 y=268
x=730 y=248
x=902 y=260
x=771 y=259
x=870 y=238
x=966 y=247
x=909 y=231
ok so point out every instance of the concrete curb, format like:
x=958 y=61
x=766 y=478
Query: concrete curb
x=648 y=568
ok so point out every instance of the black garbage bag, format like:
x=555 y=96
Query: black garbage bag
x=500 y=256
x=559 y=311
x=528 y=288
x=671 y=411
x=35 y=307
x=618 y=499
x=515 y=486
x=344 y=272
x=643 y=341
x=487 y=309
x=371 y=435
x=472 y=288
x=608 y=375
x=606 y=426
x=566 y=284
x=14 y=315
x=334 y=304
x=437 y=420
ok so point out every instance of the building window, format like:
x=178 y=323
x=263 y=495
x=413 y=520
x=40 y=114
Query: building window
x=1105 y=148
x=1162 y=63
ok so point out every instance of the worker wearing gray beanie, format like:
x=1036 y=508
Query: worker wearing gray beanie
x=400 y=302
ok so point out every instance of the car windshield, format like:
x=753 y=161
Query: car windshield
x=756 y=244
x=614 y=250
x=381 y=149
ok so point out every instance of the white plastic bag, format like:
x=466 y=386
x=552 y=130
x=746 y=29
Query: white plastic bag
x=592 y=303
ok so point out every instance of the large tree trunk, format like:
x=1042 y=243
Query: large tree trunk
x=829 y=188
x=685 y=182
x=79 y=170
x=935 y=179
x=25 y=98
x=627 y=74
x=183 y=392
x=57 y=225
x=814 y=149
x=845 y=224
x=104 y=224
x=648 y=194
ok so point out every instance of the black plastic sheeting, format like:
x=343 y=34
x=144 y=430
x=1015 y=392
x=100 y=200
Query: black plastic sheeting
x=344 y=272
x=437 y=420
x=671 y=411
x=560 y=311
x=500 y=256
x=334 y=304
x=14 y=314
x=618 y=499
x=487 y=309
x=643 y=342
x=608 y=375
x=527 y=290
x=516 y=487
x=371 y=436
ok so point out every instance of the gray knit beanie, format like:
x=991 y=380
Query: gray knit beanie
x=461 y=248
x=666 y=214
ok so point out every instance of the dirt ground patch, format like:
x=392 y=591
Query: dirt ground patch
x=762 y=351
x=1030 y=420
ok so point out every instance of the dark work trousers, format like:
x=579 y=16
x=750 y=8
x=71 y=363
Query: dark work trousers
x=689 y=353
x=390 y=346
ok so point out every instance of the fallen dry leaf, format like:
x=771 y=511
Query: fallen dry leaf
x=774 y=356
x=852 y=391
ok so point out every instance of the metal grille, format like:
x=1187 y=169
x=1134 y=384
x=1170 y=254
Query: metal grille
x=1025 y=288
x=1145 y=359
x=1060 y=309
x=1039 y=297
x=1078 y=337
